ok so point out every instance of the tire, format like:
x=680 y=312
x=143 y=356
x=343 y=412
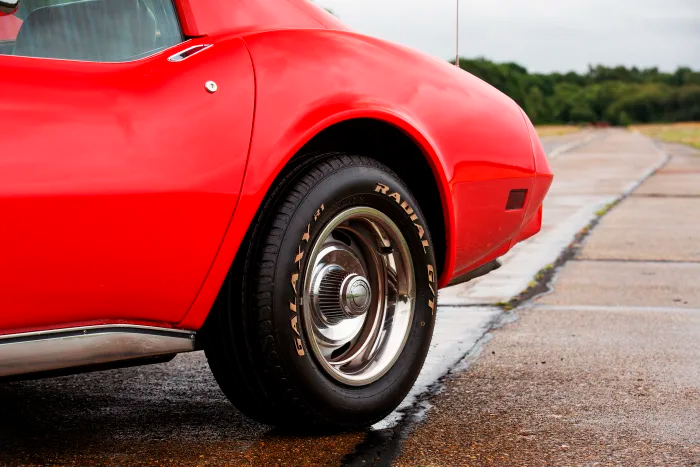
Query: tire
x=294 y=284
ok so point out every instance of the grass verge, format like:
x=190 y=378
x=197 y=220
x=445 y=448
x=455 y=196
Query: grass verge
x=685 y=133
x=556 y=130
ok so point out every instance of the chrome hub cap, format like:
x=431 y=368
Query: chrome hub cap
x=355 y=295
x=359 y=285
x=338 y=294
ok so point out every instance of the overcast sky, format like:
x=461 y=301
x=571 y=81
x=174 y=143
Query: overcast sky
x=542 y=35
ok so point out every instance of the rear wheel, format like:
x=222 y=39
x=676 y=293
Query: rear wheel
x=327 y=314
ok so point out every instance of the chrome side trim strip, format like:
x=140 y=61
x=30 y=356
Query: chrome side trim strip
x=34 y=352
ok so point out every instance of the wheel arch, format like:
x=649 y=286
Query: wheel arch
x=351 y=131
x=394 y=147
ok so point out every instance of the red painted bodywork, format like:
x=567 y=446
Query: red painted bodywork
x=126 y=188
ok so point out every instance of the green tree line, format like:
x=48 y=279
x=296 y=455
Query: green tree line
x=618 y=96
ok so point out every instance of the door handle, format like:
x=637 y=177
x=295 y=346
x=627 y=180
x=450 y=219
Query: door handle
x=188 y=52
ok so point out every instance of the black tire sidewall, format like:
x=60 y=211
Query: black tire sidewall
x=360 y=184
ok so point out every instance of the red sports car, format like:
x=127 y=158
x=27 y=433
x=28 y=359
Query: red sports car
x=250 y=178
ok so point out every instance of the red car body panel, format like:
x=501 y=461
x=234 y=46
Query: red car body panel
x=110 y=176
x=128 y=189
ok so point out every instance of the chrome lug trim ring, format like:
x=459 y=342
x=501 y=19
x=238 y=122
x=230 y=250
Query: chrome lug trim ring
x=359 y=296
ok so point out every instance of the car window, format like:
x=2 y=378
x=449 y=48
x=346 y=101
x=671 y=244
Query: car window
x=90 y=30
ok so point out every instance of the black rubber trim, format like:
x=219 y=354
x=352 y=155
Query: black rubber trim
x=475 y=273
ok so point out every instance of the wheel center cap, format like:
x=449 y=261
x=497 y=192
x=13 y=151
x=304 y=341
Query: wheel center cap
x=355 y=295
x=339 y=295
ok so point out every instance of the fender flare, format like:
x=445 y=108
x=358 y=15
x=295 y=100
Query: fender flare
x=252 y=197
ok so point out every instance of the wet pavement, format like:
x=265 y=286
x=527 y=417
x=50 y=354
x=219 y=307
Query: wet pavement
x=572 y=387
x=604 y=369
x=583 y=404
x=167 y=414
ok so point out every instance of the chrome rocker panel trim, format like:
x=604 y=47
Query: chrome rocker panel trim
x=41 y=351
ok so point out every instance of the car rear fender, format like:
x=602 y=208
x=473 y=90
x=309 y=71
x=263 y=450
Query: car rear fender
x=473 y=136
x=263 y=171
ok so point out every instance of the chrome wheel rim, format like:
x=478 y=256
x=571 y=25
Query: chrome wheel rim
x=359 y=296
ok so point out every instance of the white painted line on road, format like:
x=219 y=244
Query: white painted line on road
x=610 y=308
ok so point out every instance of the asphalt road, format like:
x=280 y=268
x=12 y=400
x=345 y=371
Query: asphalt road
x=175 y=414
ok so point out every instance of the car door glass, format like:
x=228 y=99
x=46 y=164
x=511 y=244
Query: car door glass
x=90 y=30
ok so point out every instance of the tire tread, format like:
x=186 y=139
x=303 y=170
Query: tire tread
x=254 y=380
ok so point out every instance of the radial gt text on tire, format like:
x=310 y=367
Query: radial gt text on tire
x=326 y=316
